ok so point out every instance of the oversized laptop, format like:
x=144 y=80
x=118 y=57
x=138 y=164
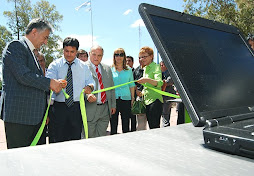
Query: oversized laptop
x=213 y=70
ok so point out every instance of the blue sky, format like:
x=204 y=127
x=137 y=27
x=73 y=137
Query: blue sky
x=115 y=23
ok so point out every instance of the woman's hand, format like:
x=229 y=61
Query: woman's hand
x=147 y=80
x=132 y=101
x=142 y=80
x=139 y=93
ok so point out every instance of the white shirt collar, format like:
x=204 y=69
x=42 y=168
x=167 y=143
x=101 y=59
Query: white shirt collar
x=29 y=43
x=73 y=62
x=31 y=47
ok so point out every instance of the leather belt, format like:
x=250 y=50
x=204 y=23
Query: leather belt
x=101 y=103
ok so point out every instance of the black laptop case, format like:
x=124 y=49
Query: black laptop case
x=212 y=67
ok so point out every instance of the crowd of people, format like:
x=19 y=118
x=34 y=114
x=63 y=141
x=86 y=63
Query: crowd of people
x=27 y=84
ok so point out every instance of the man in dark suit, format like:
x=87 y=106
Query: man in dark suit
x=99 y=112
x=24 y=86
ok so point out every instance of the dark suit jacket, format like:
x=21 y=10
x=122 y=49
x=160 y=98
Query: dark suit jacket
x=107 y=80
x=24 y=85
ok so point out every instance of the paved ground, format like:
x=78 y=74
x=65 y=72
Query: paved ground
x=173 y=121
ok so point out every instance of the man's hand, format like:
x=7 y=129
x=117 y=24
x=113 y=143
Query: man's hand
x=47 y=121
x=55 y=85
x=113 y=111
x=88 y=89
x=91 y=98
x=63 y=83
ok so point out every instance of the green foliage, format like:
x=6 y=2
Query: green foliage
x=25 y=12
x=239 y=13
x=5 y=37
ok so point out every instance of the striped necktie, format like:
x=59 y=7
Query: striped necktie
x=103 y=94
x=69 y=88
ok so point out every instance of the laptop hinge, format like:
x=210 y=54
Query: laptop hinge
x=219 y=121
x=228 y=119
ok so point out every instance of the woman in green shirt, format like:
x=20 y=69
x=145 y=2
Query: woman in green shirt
x=152 y=77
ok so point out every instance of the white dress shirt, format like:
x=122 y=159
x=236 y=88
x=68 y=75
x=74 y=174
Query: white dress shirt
x=81 y=76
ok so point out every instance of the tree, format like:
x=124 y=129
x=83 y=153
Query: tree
x=239 y=13
x=5 y=37
x=25 y=12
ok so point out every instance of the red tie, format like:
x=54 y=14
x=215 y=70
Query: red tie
x=103 y=94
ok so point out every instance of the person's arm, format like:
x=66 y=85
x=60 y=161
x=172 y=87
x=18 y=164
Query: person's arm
x=132 y=90
x=89 y=82
x=88 y=89
x=17 y=59
x=113 y=96
x=148 y=80
x=157 y=81
x=54 y=83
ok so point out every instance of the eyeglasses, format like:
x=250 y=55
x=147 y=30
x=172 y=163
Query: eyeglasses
x=120 y=55
x=143 y=57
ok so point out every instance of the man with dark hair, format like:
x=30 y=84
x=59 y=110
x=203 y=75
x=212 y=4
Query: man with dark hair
x=24 y=86
x=82 y=55
x=66 y=121
x=130 y=62
x=167 y=87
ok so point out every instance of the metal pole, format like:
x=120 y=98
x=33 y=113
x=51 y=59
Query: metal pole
x=91 y=20
x=17 y=18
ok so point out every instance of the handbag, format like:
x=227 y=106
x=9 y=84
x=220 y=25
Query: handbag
x=138 y=106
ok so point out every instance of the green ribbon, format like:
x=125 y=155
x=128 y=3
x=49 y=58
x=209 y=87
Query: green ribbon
x=38 y=135
x=65 y=94
x=82 y=104
x=162 y=92
x=83 y=109
x=113 y=87
x=83 y=112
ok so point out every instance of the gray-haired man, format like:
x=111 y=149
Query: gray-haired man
x=24 y=86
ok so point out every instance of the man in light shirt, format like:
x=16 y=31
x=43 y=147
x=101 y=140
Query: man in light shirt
x=66 y=121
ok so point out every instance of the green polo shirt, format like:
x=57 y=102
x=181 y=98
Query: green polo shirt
x=152 y=71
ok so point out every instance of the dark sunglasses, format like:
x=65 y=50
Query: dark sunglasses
x=121 y=55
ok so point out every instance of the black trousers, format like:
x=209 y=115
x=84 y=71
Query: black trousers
x=19 y=135
x=153 y=114
x=133 y=123
x=181 y=113
x=65 y=122
x=124 y=107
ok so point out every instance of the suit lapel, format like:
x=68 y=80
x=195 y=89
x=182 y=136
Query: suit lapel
x=94 y=74
x=35 y=61
x=103 y=73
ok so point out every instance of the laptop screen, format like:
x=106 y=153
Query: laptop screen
x=214 y=66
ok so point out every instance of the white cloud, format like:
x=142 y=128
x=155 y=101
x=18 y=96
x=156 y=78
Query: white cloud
x=85 y=41
x=138 y=23
x=127 y=12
